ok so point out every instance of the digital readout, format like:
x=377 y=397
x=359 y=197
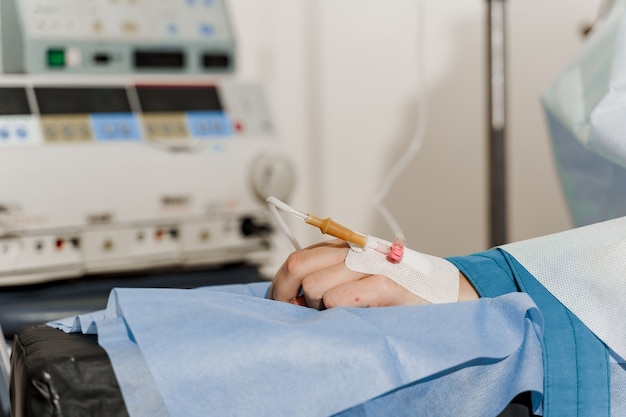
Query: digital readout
x=13 y=101
x=80 y=100
x=178 y=98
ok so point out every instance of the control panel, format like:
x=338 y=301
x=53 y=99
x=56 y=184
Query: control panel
x=134 y=174
x=116 y=36
x=118 y=113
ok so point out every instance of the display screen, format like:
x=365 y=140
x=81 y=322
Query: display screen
x=62 y=100
x=13 y=101
x=178 y=98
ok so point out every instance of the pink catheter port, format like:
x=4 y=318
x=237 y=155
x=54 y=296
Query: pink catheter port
x=396 y=252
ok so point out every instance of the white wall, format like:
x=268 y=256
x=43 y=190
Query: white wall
x=342 y=81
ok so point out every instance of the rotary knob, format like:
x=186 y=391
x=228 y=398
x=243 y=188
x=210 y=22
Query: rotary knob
x=272 y=175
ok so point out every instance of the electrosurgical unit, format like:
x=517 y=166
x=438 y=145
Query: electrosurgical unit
x=121 y=157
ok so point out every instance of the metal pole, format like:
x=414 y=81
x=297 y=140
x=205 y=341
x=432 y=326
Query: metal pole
x=497 y=123
x=5 y=373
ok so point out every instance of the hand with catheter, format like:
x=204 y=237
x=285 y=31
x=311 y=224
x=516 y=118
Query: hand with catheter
x=358 y=270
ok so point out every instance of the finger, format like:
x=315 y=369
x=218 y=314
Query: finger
x=332 y=243
x=299 y=301
x=371 y=291
x=288 y=280
x=315 y=285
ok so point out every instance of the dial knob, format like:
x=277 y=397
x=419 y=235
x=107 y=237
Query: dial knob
x=272 y=175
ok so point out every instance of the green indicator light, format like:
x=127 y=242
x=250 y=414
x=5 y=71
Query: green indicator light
x=56 y=58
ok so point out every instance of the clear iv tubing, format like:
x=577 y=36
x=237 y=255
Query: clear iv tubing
x=5 y=361
x=413 y=149
x=418 y=137
x=274 y=204
x=326 y=226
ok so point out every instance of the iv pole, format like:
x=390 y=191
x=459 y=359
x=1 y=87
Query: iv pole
x=496 y=61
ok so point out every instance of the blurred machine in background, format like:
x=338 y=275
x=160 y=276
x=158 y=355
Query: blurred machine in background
x=113 y=177
x=129 y=154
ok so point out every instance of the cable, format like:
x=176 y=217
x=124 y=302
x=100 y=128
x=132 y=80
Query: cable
x=418 y=138
x=5 y=361
x=274 y=204
x=413 y=148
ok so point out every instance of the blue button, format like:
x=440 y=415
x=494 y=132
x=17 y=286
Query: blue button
x=4 y=134
x=217 y=126
x=191 y=3
x=21 y=132
x=108 y=129
x=209 y=3
x=209 y=124
x=172 y=28
x=207 y=29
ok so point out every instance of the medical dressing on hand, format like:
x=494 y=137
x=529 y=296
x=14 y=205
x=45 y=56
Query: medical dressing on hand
x=432 y=278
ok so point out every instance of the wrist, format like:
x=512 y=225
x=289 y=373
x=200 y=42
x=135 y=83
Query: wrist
x=467 y=292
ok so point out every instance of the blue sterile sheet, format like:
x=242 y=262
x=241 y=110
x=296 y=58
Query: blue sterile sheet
x=228 y=351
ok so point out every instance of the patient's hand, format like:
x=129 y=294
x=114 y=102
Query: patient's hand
x=319 y=272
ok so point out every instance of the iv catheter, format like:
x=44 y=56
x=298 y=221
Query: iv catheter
x=327 y=226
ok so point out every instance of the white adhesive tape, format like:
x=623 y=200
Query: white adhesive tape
x=434 y=279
